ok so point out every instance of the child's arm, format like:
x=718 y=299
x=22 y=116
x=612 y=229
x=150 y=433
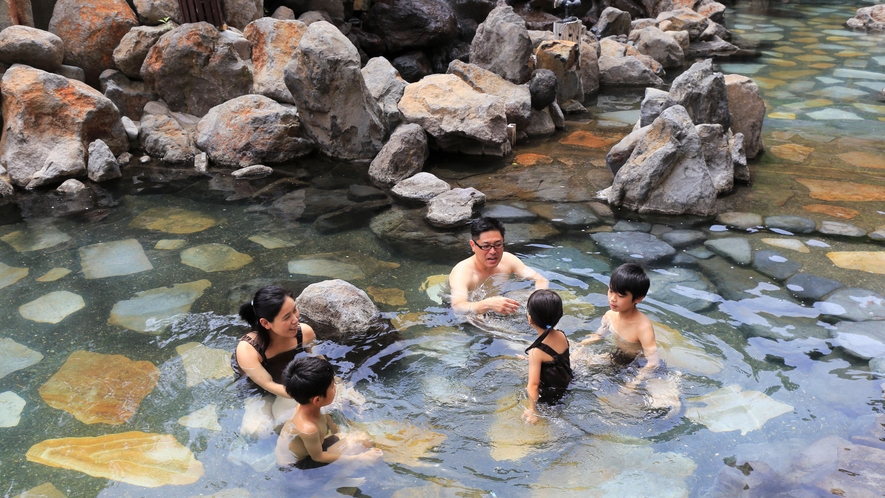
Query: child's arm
x=333 y=427
x=603 y=330
x=533 y=387
x=649 y=350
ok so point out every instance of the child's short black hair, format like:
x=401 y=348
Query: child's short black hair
x=306 y=377
x=630 y=277
x=485 y=224
x=545 y=308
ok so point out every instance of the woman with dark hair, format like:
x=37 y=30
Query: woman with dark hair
x=277 y=336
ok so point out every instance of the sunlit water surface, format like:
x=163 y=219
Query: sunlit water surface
x=446 y=394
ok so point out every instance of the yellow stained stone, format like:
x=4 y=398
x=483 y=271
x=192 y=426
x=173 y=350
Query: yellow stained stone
x=137 y=458
x=510 y=437
x=781 y=63
x=215 y=257
x=401 y=442
x=822 y=65
x=53 y=275
x=792 y=152
x=863 y=159
x=529 y=159
x=170 y=244
x=782 y=115
x=788 y=50
x=269 y=242
x=868 y=261
x=587 y=139
x=835 y=211
x=680 y=353
x=202 y=363
x=392 y=297
x=792 y=75
x=45 y=490
x=810 y=104
x=432 y=286
x=850 y=53
x=173 y=220
x=791 y=244
x=828 y=190
x=838 y=38
x=870 y=108
x=36 y=238
x=808 y=40
x=814 y=58
x=204 y=418
x=99 y=388
x=53 y=307
x=405 y=320
x=11 y=274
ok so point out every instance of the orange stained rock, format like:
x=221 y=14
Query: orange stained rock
x=392 y=297
x=138 y=458
x=792 y=152
x=868 y=261
x=530 y=159
x=99 y=388
x=767 y=83
x=587 y=139
x=805 y=40
x=822 y=65
x=173 y=220
x=835 y=211
x=781 y=63
x=828 y=190
x=863 y=159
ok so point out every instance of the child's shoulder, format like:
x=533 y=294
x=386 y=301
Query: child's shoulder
x=302 y=425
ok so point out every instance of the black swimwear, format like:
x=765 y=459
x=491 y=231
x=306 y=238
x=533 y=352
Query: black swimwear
x=309 y=463
x=555 y=374
x=274 y=365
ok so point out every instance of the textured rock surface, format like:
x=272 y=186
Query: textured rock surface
x=419 y=188
x=336 y=108
x=386 y=86
x=195 y=67
x=401 y=157
x=163 y=137
x=338 y=306
x=703 y=95
x=129 y=55
x=561 y=57
x=660 y=46
x=102 y=165
x=619 y=71
x=31 y=46
x=854 y=304
x=717 y=155
x=239 y=13
x=459 y=118
x=152 y=12
x=736 y=249
x=49 y=122
x=130 y=96
x=517 y=98
x=454 y=208
x=502 y=45
x=252 y=129
x=747 y=111
x=91 y=29
x=273 y=44
x=613 y=21
x=412 y=24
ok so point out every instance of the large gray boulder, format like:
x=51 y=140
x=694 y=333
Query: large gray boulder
x=102 y=165
x=747 y=111
x=683 y=19
x=652 y=105
x=401 y=157
x=133 y=48
x=338 y=310
x=561 y=57
x=195 y=67
x=273 y=44
x=459 y=118
x=543 y=87
x=31 y=46
x=868 y=18
x=406 y=232
x=386 y=86
x=589 y=68
x=666 y=172
x=502 y=45
x=419 y=189
x=613 y=21
x=702 y=93
x=91 y=29
x=16 y=12
x=660 y=46
x=164 y=137
x=626 y=71
x=252 y=129
x=130 y=96
x=454 y=208
x=337 y=110
x=239 y=13
x=619 y=153
x=412 y=24
x=717 y=155
x=517 y=98
x=154 y=12
x=48 y=122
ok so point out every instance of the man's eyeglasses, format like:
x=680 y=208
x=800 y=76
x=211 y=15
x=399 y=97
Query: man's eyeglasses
x=486 y=247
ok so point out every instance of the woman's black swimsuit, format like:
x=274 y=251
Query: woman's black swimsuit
x=274 y=365
x=555 y=374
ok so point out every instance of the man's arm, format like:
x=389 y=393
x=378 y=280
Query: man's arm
x=522 y=271
x=458 y=281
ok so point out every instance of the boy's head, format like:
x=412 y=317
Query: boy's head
x=630 y=277
x=544 y=308
x=307 y=377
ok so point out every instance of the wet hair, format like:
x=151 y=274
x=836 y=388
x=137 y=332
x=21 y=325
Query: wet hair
x=306 y=377
x=267 y=303
x=485 y=224
x=629 y=277
x=545 y=308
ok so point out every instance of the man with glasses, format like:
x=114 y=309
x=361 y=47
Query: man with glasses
x=489 y=258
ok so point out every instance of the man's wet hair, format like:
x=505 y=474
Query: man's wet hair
x=630 y=277
x=545 y=308
x=485 y=224
x=306 y=377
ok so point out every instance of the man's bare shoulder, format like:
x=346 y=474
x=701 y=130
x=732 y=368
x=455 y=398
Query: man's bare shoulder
x=461 y=270
x=510 y=263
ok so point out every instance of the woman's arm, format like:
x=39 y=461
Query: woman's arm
x=533 y=387
x=308 y=337
x=250 y=361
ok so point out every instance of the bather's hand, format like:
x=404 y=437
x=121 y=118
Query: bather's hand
x=371 y=455
x=529 y=416
x=502 y=305
x=590 y=339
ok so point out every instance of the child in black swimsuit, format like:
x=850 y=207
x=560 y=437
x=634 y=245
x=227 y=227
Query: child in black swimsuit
x=550 y=370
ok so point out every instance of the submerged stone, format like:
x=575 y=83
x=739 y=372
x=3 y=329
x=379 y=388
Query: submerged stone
x=853 y=304
x=792 y=152
x=682 y=287
x=736 y=249
x=45 y=490
x=793 y=224
x=868 y=261
x=679 y=352
x=52 y=307
x=811 y=287
x=150 y=310
x=54 y=274
x=588 y=140
x=215 y=257
x=863 y=159
x=772 y=264
x=512 y=439
x=173 y=220
x=204 y=418
x=326 y=268
x=827 y=190
x=432 y=286
x=834 y=114
x=270 y=242
x=836 y=211
x=136 y=458
x=16 y=356
x=841 y=229
x=731 y=409
x=740 y=220
x=392 y=297
x=36 y=238
x=530 y=159
x=170 y=244
x=639 y=247
x=112 y=259
x=202 y=363
x=864 y=340
x=683 y=238
x=791 y=244
x=11 y=406
x=99 y=388
x=11 y=274
x=402 y=442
